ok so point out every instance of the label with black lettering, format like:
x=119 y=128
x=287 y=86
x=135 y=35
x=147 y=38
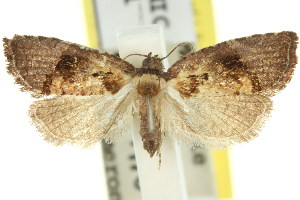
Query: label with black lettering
x=177 y=19
x=121 y=171
x=175 y=16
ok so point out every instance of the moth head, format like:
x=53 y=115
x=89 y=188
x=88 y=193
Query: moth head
x=153 y=62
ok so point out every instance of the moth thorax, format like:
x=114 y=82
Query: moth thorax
x=148 y=85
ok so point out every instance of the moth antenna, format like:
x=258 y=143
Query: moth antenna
x=180 y=44
x=134 y=54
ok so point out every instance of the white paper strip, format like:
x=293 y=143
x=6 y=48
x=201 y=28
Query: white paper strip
x=176 y=17
x=166 y=182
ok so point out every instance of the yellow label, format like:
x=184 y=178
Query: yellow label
x=91 y=24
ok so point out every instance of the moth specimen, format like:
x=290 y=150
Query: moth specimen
x=212 y=98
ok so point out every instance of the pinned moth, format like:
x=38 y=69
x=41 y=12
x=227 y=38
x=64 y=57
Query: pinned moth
x=211 y=98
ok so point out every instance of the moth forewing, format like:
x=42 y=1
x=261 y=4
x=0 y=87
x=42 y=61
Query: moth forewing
x=228 y=87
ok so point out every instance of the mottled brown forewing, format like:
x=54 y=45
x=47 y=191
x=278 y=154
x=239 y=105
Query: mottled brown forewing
x=259 y=64
x=224 y=89
x=48 y=66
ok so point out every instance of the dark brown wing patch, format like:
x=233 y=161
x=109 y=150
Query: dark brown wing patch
x=190 y=86
x=231 y=62
x=259 y=64
x=67 y=65
x=47 y=66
